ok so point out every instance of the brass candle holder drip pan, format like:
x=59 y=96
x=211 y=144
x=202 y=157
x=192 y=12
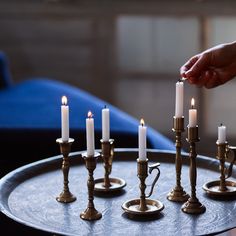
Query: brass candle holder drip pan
x=222 y=186
x=143 y=206
x=108 y=184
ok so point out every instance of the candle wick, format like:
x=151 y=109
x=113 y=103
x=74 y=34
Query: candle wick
x=221 y=124
x=105 y=106
x=192 y=106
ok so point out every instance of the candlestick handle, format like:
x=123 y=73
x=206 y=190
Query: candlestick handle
x=151 y=168
x=230 y=169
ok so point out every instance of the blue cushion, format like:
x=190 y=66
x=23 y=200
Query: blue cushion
x=5 y=77
x=35 y=104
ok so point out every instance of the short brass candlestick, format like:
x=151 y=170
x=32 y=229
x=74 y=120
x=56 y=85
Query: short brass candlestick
x=223 y=187
x=143 y=205
x=142 y=175
x=90 y=213
x=178 y=194
x=221 y=155
x=108 y=184
x=193 y=206
x=107 y=156
x=65 y=147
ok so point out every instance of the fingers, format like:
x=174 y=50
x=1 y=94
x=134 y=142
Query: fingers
x=212 y=80
x=198 y=67
x=188 y=66
x=208 y=79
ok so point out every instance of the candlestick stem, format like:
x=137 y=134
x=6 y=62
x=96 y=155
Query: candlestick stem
x=107 y=156
x=142 y=175
x=178 y=194
x=90 y=213
x=65 y=196
x=193 y=170
x=221 y=155
x=193 y=206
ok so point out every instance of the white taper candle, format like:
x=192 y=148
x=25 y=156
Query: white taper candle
x=64 y=120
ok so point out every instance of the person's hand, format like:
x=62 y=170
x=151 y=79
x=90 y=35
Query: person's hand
x=212 y=67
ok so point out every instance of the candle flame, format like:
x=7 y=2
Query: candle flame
x=192 y=102
x=142 y=122
x=90 y=114
x=64 y=100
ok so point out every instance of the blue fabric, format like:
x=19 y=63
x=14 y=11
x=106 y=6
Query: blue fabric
x=5 y=77
x=35 y=104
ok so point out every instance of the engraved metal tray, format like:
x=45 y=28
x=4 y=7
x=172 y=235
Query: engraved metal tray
x=28 y=196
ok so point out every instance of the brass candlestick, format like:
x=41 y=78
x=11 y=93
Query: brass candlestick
x=65 y=196
x=144 y=206
x=223 y=187
x=178 y=194
x=90 y=213
x=108 y=184
x=142 y=175
x=193 y=206
x=221 y=156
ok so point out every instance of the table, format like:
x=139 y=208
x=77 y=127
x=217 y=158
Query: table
x=27 y=195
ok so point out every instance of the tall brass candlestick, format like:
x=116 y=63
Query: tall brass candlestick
x=178 y=194
x=65 y=196
x=193 y=206
x=90 y=213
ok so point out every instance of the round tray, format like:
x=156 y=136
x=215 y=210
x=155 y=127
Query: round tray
x=28 y=196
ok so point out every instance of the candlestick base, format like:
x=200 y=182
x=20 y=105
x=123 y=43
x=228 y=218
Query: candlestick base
x=178 y=195
x=66 y=197
x=193 y=206
x=132 y=207
x=213 y=188
x=116 y=184
x=91 y=214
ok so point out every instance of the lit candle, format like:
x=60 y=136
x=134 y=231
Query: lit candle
x=90 y=134
x=192 y=115
x=64 y=119
x=179 y=99
x=222 y=134
x=142 y=141
x=105 y=124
